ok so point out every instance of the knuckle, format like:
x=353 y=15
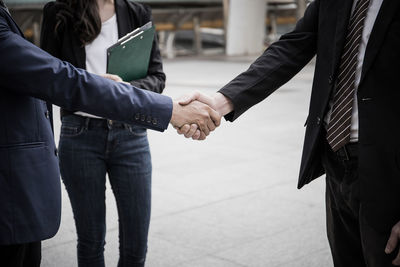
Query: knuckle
x=397 y=230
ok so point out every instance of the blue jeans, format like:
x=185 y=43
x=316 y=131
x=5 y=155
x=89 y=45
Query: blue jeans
x=88 y=150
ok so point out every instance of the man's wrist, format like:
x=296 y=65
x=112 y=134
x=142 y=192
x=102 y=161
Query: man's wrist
x=223 y=105
x=175 y=107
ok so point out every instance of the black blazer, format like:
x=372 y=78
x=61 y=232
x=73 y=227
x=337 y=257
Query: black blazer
x=66 y=46
x=321 y=32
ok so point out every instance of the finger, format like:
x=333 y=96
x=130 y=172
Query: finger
x=204 y=126
x=192 y=131
x=112 y=77
x=392 y=242
x=107 y=76
x=211 y=126
x=199 y=96
x=396 y=261
x=196 y=135
x=202 y=136
x=187 y=99
x=215 y=117
x=184 y=129
x=116 y=78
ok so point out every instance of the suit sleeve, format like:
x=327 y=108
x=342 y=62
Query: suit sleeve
x=26 y=69
x=276 y=66
x=49 y=42
x=155 y=79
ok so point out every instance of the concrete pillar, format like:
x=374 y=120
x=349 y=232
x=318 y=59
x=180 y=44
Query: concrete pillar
x=246 y=27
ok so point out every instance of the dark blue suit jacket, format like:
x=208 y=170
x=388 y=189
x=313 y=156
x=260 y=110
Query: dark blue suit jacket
x=30 y=205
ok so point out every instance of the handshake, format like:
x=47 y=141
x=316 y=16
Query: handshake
x=196 y=115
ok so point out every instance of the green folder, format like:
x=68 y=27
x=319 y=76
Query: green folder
x=129 y=57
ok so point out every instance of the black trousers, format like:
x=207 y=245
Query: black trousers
x=352 y=240
x=21 y=255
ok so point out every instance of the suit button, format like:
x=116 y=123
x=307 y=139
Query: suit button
x=330 y=79
x=56 y=152
x=47 y=114
x=143 y=118
x=148 y=119
x=318 y=120
x=154 y=121
x=137 y=116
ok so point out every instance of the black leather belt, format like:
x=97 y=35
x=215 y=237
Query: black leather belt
x=348 y=151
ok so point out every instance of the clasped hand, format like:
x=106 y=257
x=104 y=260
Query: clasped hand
x=218 y=106
x=195 y=117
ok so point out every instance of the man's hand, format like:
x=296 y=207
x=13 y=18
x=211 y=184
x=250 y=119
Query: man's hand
x=393 y=242
x=218 y=102
x=191 y=131
x=195 y=113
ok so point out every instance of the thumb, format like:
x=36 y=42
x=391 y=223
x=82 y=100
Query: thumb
x=187 y=99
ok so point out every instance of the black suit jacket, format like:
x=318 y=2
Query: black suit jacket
x=66 y=46
x=322 y=32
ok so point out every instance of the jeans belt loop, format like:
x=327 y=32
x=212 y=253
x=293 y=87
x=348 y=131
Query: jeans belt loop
x=87 y=121
x=110 y=124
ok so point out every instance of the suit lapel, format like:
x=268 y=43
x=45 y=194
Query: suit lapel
x=388 y=10
x=124 y=27
x=79 y=52
x=342 y=22
x=123 y=19
x=11 y=20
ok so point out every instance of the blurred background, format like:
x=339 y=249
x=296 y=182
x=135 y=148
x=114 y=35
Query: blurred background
x=230 y=200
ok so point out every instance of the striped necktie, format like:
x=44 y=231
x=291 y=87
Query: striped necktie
x=338 y=133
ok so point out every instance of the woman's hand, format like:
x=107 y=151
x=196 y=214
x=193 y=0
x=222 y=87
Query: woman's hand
x=113 y=77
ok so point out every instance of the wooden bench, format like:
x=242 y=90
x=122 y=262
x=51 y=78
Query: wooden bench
x=172 y=16
x=169 y=16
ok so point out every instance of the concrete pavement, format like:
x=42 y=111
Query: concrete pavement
x=232 y=199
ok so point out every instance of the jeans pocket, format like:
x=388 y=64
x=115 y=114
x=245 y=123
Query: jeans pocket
x=137 y=131
x=71 y=130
